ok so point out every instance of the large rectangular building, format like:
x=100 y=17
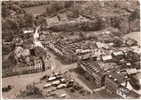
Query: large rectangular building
x=98 y=70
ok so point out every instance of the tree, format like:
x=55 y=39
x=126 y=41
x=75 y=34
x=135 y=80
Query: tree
x=5 y=11
x=68 y=4
x=29 y=20
x=40 y=20
x=133 y=17
x=9 y=24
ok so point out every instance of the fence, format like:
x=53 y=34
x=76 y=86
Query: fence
x=20 y=71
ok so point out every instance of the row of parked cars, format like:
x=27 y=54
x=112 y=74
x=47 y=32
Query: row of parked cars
x=55 y=82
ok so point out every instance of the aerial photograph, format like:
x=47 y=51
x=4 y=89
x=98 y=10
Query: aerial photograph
x=71 y=49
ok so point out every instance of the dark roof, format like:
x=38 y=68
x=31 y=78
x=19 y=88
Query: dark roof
x=93 y=67
x=39 y=51
x=118 y=76
x=28 y=43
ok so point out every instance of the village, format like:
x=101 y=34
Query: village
x=72 y=54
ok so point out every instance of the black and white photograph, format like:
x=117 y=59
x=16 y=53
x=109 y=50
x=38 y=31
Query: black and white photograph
x=70 y=49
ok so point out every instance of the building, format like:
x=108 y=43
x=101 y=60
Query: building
x=118 y=83
x=118 y=54
x=135 y=36
x=38 y=63
x=113 y=80
x=94 y=70
x=97 y=69
x=28 y=31
x=106 y=58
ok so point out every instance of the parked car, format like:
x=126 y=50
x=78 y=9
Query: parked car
x=51 y=89
x=47 y=85
x=63 y=80
x=51 y=78
x=61 y=86
x=56 y=82
x=51 y=94
x=63 y=95
x=44 y=77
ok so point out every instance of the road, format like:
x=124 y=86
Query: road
x=80 y=82
x=19 y=82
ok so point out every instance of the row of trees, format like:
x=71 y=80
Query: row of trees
x=91 y=9
x=14 y=18
x=25 y=4
x=12 y=25
x=125 y=15
x=54 y=7
x=9 y=8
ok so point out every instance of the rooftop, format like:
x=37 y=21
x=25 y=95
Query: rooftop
x=135 y=36
x=100 y=66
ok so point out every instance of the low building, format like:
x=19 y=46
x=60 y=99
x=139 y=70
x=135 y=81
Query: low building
x=136 y=49
x=131 y=42
x=37 y=63
x=28 y=31
x=101 y=45
x=135 y=36
x=118 y=54
x=106 y=58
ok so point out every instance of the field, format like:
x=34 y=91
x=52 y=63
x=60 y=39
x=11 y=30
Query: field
x=36 y=10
